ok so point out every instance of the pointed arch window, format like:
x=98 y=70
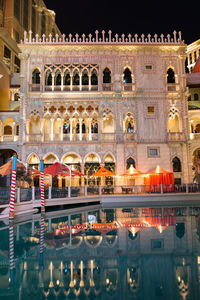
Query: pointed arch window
x=76 y=78
x=130 y=161
x=127 y=78
x=36 y=77
x=170 y=76
x=176 y=164
x=106 y=76
x=48 y=79
x=85 y=78
x=58 y=78
x=94 y=78
x=67 y=78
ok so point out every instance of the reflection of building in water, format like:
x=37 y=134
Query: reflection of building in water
x=142 y=253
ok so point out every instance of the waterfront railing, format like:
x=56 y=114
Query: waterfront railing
x=32 y=194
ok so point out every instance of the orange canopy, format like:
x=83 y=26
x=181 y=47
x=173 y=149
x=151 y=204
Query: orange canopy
x=6 y=169
x=132 y=172
x=159 y=176
x=103 y=172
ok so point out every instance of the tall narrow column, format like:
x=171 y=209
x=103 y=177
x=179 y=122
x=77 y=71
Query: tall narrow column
x=52 y=120
x=71 y=129
x=61 y=129
x=90 y=129
x=80 y=129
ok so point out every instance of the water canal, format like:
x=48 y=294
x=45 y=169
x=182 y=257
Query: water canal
x=95 y=253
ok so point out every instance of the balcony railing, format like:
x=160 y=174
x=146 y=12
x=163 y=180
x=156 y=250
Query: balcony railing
x=172 y=87
x=176 y=136
x=128 y=87
x=36 y=138
x=107 y=87
x=129 y=136
x=108 y=136
x=35 y=87
x=9 y=138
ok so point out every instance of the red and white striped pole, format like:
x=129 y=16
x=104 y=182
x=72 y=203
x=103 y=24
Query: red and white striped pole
x=11 y=253
x=12 y=192
x=41 y=240
x=42 y=186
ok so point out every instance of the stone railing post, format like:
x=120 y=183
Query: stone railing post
x=33 y=193
x=49 y=192
x=18 y=195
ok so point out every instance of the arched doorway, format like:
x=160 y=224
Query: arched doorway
x=74 y=161
x=92 y=165
x=109 y=164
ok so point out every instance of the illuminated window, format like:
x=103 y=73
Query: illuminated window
x=150 y=110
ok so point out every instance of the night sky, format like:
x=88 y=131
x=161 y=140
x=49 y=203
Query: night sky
x=128 y=16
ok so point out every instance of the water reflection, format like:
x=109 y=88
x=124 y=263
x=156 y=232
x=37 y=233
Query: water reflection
x=129 y=253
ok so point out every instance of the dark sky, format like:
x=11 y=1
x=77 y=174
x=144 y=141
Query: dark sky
x=128 y=16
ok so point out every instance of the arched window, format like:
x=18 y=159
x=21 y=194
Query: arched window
x=176 y=164
x=36 y=77
x=130 y=161
x=48 y=78
x=85 y=78
x=196 y=97
x=76 y=78
x=170 y=76
x=106 y=76
x=58 y=78
x=8 y=130
x=94 y=78
x=127 y=76
x=83 y=128
x=66 y=127
x=67 y=77
x=197 y=128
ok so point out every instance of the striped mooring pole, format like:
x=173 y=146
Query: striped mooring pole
x=11 y=253
x=41 y=240
x=42 y=186
x=12 y=192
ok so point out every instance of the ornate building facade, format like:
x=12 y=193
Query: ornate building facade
x=104 y=100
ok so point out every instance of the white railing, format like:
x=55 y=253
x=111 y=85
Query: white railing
x=175 y=136
x=173 y=87
x=103 y=38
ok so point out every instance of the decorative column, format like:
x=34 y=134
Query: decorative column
x=61 y=129
x=42 y=130
x=52 y=121
x=62 y=76
x=80 y=129
x=89 y=80
x=82 y=177
x=80 y=82
x=90 y=131
x=71 y=129
x=71 y=82
x=53 y=76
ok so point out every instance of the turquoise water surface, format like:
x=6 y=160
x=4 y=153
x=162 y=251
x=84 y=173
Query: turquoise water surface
x=94 y=253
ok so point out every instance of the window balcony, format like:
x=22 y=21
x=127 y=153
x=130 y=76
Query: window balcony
x=129 y=136
x=35 y=138
x=175 y=136
x=35 y=88
x=128 y=87
x=107 y=87
x=173 y=87
x=108 y=136
x=9 y=138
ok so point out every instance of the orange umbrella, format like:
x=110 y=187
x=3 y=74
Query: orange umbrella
x=103 y=172
x=158 y=170
x=6 y=169
x=132 y=172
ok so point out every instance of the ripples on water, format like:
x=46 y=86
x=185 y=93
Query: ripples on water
x=94 y=253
